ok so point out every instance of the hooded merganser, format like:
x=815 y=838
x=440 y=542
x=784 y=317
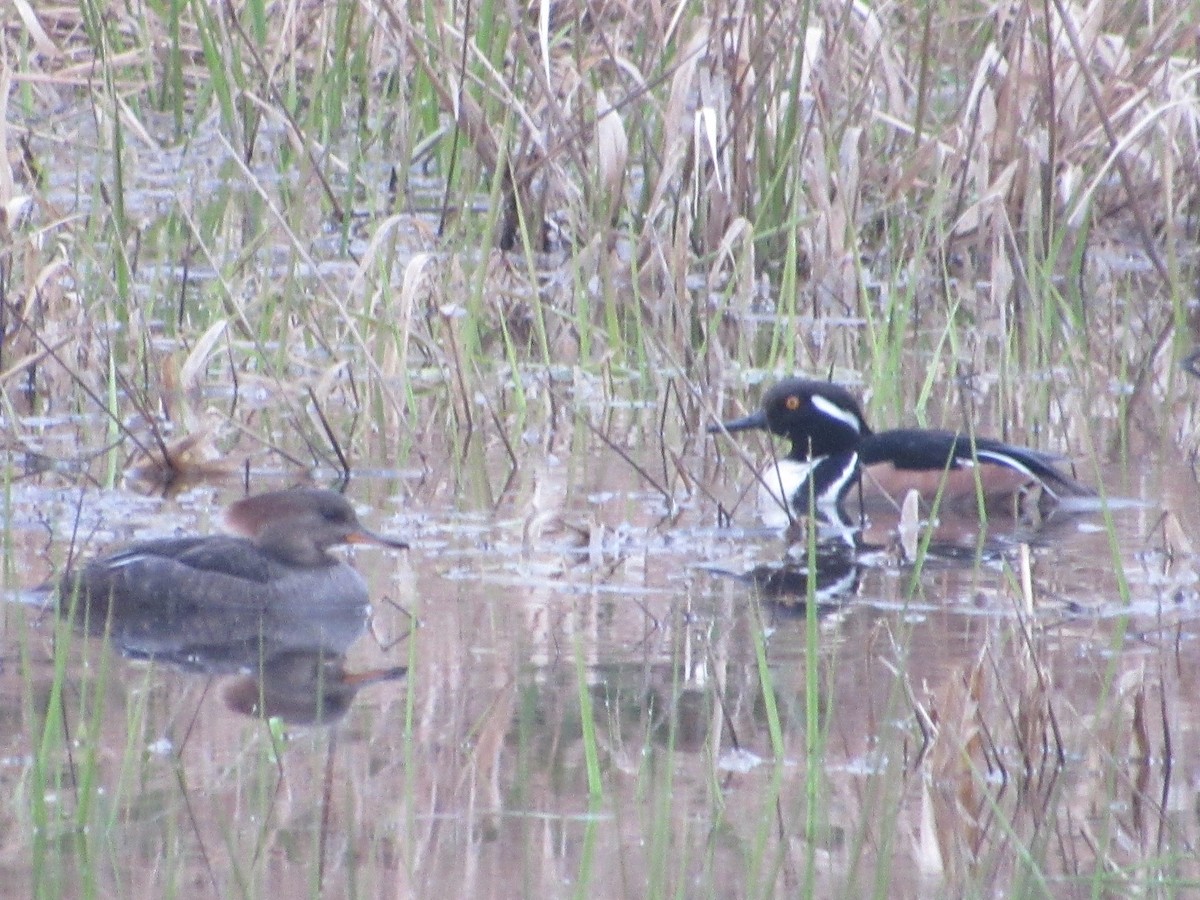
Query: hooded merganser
x=281 y=559
x=835 y=456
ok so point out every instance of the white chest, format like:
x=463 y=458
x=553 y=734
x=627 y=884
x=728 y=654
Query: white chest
x=785 y=486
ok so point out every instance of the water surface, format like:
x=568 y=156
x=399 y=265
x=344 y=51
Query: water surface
x=568 y=609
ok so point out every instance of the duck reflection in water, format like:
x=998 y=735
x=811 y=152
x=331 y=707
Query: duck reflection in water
x=303 y=687
x=784 y=589
x=270 y=603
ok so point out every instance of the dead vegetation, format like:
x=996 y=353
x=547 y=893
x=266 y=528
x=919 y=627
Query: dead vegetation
x=343 y=231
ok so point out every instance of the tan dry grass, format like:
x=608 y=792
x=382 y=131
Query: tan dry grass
x=985 y=188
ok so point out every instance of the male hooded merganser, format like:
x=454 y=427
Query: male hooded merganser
x=835 y=456
x=282 y=558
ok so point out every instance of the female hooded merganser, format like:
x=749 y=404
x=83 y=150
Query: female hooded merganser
x=835 y=456
x=281 y=559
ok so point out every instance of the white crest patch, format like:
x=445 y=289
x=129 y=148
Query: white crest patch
x=833 y=411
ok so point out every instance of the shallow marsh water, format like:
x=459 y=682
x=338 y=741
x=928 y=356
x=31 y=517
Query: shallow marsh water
x=595 y=705
x=561 y=612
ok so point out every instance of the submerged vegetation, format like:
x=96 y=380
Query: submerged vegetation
x=243 y=239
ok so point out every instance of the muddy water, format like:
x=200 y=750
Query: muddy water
x=956 y=724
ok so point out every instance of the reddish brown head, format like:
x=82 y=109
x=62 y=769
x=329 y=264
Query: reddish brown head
x=301 y=524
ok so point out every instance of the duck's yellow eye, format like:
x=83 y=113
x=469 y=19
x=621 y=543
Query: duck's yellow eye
x=792 y=402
